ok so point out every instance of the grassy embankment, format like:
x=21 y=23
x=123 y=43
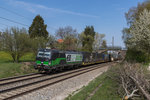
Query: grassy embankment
x=107 y=91
x=9 y=69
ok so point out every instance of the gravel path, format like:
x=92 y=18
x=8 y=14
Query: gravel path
x=61 y=90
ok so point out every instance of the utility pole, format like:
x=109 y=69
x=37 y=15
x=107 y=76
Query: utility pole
x=113 y=42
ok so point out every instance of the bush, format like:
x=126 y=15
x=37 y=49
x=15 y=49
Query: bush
x=136 y=56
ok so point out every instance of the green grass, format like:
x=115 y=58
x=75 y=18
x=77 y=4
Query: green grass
x=14 y=69
x=5 y=57
x=27 y=57
x=108 y=90
x=9 y=69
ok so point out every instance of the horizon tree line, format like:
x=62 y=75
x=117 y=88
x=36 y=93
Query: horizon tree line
x=19 y=41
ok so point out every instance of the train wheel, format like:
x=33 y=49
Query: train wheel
x=54 y=71
x=41 y=71
x=75 y=66
x=48 y=71
x=61 y=68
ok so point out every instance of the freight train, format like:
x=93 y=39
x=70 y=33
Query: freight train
x=48 y=60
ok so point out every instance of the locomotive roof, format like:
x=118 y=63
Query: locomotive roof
x=70 y=52
x=44 y=50
x=73 y=52
x=55 y=50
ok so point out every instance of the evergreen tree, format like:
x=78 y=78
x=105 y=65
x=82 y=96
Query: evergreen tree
x=88 y=39
x=104 y=44
x=38 y=28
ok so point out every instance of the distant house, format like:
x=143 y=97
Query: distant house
x=60 y=40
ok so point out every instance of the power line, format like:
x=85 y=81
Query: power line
x=14 y=21
x=14 y=13
x=4 y=24
x=21 y=23
x=20 y=16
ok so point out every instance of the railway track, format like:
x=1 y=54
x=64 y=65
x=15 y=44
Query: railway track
x=15 y=77
x=19 y=78
x=39 y=81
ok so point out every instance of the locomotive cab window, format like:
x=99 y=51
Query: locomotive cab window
x=44 y=54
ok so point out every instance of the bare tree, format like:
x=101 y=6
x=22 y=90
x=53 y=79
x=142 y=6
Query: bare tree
x=38 y=43
x=65 y=32
x=98 y=39
x=69 y=37
x=51 y=42
x=16 y=42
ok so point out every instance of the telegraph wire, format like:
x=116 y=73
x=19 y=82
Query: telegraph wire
x=13 y=21
x=14 y=13
x=20 y=16
x=21 y=23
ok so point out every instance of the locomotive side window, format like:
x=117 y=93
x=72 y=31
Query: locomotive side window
x=55 y=55
x=68 y=57
x=62 y=55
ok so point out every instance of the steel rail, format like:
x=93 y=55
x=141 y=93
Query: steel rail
x=38 y=82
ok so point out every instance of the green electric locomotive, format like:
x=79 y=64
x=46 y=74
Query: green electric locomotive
x=49 y=59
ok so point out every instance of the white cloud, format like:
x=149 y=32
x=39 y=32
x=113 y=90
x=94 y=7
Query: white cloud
x=33 y=8
x=22 y=4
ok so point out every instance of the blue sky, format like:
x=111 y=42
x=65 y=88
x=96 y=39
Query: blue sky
x=107 y=16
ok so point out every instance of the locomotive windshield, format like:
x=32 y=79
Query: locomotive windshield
x=44 y=54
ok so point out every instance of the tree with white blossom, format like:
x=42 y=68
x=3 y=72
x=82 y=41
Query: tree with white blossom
x=140 y=33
